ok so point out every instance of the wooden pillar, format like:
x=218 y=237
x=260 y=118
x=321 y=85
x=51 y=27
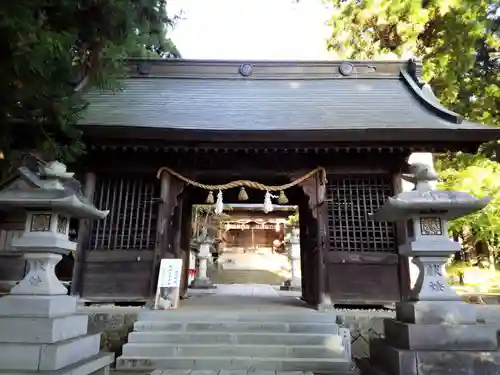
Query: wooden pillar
x=318 y=241
x=321 y=214
x=185 y=242
x=164 y=224
x=83 y=238
x=305 y=255
x=177 y=248
x=323 y=285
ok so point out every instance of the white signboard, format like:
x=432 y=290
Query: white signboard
x=169 y=283
x=170 y=273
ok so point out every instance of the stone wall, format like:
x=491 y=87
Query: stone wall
x=363 y=324
x=114 y=322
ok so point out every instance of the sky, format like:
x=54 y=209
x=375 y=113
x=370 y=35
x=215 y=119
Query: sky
x=251 y=29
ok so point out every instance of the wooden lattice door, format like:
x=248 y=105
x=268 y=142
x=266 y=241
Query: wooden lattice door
x=361 y=257
x=119 y=260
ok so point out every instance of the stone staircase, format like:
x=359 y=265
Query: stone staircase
x=250 y=340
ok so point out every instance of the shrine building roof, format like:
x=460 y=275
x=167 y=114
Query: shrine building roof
x=306 y=100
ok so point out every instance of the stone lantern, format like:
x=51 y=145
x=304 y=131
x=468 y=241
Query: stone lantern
x=293 y=245
x=434 y=330
x=49 y=209
x=427 y=212
x=204 y=242
x=39 y=326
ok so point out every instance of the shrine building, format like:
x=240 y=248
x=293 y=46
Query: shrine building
x=354 y=124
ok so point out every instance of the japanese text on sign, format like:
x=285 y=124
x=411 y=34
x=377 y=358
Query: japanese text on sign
x=170 y=273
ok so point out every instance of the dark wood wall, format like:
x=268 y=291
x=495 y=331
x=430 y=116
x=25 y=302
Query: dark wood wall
x=362 y=257
x=346 y=257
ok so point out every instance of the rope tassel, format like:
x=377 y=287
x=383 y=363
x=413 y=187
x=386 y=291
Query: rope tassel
x=219 y=205
x=210 y=197
x=282 y=199
x=242 y=196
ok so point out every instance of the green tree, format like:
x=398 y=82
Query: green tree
x=458 y=41
x=459 y=44
x=52 y=49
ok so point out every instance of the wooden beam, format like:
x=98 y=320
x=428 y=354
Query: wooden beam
x=83 y=238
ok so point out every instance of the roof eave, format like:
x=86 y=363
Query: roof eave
x=434 y=107
x=471 y=138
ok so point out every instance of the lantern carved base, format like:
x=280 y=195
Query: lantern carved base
x=41 y=278
x=431 y=284
x=202 y=281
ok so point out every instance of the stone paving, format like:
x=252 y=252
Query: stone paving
x=228 y=372
x=242 y=297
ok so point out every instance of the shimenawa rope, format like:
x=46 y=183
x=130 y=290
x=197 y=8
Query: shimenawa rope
x=245 y=183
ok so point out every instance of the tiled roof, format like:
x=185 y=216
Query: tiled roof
x=197 y=95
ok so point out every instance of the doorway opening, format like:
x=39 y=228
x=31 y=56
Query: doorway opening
x=250 y=246
x=251 y=262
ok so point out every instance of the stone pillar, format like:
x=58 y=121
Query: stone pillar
x=293 y=247
x=295 y=259
x=202 y=281
x=428 y=159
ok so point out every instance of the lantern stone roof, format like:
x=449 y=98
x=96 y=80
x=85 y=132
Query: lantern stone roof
x=50 y=188
x=446 y=204
x=309 y=100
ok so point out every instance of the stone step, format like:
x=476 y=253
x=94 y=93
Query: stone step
x=95 y=365
x=310 y=316
x=440 y=336
x=336 y=350
x=48 y=357
x=330 y=365
x=235 y=327
x=255 y=338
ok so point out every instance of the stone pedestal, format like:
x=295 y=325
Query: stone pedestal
x=202 y=281
x=434 y=337
x=45 y=334
x=427 y=348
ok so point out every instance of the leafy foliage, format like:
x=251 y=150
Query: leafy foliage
x=480 y=177
x=53 y=48
x=459 y=43
x=458 y=40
